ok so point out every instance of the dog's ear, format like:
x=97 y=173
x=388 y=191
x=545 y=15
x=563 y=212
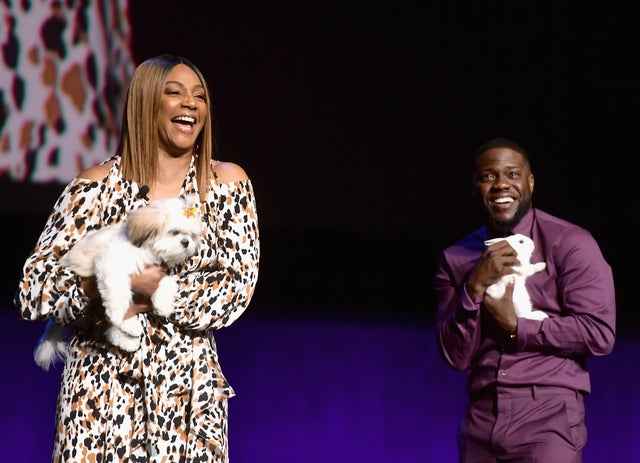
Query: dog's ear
x=145 y=223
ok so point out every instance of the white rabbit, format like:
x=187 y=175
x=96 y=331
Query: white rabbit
x=523 y=245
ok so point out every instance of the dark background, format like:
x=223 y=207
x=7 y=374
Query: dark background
x=355 y=121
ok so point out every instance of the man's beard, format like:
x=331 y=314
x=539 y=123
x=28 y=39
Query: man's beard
x=505 y=228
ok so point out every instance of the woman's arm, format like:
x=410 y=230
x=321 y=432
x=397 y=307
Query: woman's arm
x=215 y=297
x=46 y=289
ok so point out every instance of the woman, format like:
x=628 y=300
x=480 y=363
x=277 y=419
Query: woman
x=167 y=401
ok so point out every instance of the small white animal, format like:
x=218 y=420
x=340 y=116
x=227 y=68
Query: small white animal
x=166 y=232
x=523 y=245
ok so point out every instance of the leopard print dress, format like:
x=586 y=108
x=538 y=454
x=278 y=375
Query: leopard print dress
x=167 y=401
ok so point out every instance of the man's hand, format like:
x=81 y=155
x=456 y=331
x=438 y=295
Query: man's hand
x=496 y=261
x=502 y=310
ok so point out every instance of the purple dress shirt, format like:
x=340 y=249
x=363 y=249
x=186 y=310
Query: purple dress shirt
x=576 y=290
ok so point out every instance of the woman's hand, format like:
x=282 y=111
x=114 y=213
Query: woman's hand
x=146 y=282
x=143 y=285
x=90 y=287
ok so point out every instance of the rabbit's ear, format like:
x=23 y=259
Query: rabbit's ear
x=493 y=241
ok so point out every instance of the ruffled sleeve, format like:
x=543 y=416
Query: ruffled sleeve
x=46 y=289
x=217 y=295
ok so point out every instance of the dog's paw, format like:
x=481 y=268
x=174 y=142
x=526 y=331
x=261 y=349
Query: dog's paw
x=116 y=302
x=120 y=339
x=132 y=327
x=163 y=298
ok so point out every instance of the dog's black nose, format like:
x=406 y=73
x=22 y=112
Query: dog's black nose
x=185 y=243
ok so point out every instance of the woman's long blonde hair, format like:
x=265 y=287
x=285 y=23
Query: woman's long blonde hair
x=139 y=139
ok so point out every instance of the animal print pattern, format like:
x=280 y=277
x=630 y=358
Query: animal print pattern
x=64 y=70
x=166 y=401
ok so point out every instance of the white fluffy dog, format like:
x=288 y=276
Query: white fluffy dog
x=166 y=232
x=524 y=246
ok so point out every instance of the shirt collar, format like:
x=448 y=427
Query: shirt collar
x=525 y=225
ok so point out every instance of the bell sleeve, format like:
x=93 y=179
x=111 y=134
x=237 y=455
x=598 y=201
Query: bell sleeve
x=216 y=296
x=46 y=289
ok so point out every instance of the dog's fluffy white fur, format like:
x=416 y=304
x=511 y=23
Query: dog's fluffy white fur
x=524 y=246
x=166 y=232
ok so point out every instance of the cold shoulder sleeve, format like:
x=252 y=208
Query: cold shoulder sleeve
x=216 y=296
x=47 y=289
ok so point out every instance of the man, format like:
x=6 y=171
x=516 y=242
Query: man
x=526 y=378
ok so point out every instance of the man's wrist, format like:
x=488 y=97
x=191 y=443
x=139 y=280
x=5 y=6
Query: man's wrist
x=476 y=296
